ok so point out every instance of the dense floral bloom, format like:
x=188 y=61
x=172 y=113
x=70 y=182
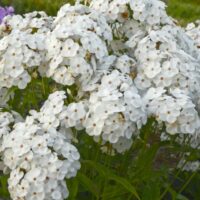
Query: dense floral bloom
x=128 y=62
x=38 y=153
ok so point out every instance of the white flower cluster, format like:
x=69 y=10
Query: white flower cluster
x=165 y=62
x=128 y=62
x=5 y=120
x=115 y=109
x=39 y=153
x=22 y=47
x=193 y=30
x=127 y=58
x=150 y=12
x=189 y=165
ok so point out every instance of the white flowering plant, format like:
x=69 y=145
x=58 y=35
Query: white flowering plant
x=107 y=93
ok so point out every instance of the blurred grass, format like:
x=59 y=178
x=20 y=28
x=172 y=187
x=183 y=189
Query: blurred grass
x=183 y=10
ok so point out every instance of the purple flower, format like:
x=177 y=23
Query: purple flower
x=4 y=11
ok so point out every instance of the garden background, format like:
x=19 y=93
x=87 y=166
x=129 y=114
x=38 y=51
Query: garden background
x=112 y=181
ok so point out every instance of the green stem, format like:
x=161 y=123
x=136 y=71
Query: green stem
x=187 y=182
x=43 y=86
x=176 y=176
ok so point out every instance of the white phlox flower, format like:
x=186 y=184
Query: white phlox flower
x=39 y=155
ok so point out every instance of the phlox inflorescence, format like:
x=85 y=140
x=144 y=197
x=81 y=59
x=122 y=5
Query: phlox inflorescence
x=193 y=30
x=38 y=152
x=128 y=61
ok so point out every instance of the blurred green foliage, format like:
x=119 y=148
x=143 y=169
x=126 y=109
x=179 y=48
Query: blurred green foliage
x=184 y=11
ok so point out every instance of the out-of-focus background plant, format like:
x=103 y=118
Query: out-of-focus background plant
x=184 y=10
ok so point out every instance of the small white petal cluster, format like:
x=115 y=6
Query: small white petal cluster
x=189 y=165
x=76 y=42
x=21 y=47
x=149 y=12
x=175 y=109
x=193 y=30
x=39 y=154
x=5 y=120
x=166 y=64
x=115 y=109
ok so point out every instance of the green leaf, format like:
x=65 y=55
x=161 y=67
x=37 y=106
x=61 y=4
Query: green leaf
x=88 y=184
x=111 y=192
x=143 y=164
x=3 y=188
x=181 y=197
x=73 y=189
x=151 y=191
x=108 y=174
